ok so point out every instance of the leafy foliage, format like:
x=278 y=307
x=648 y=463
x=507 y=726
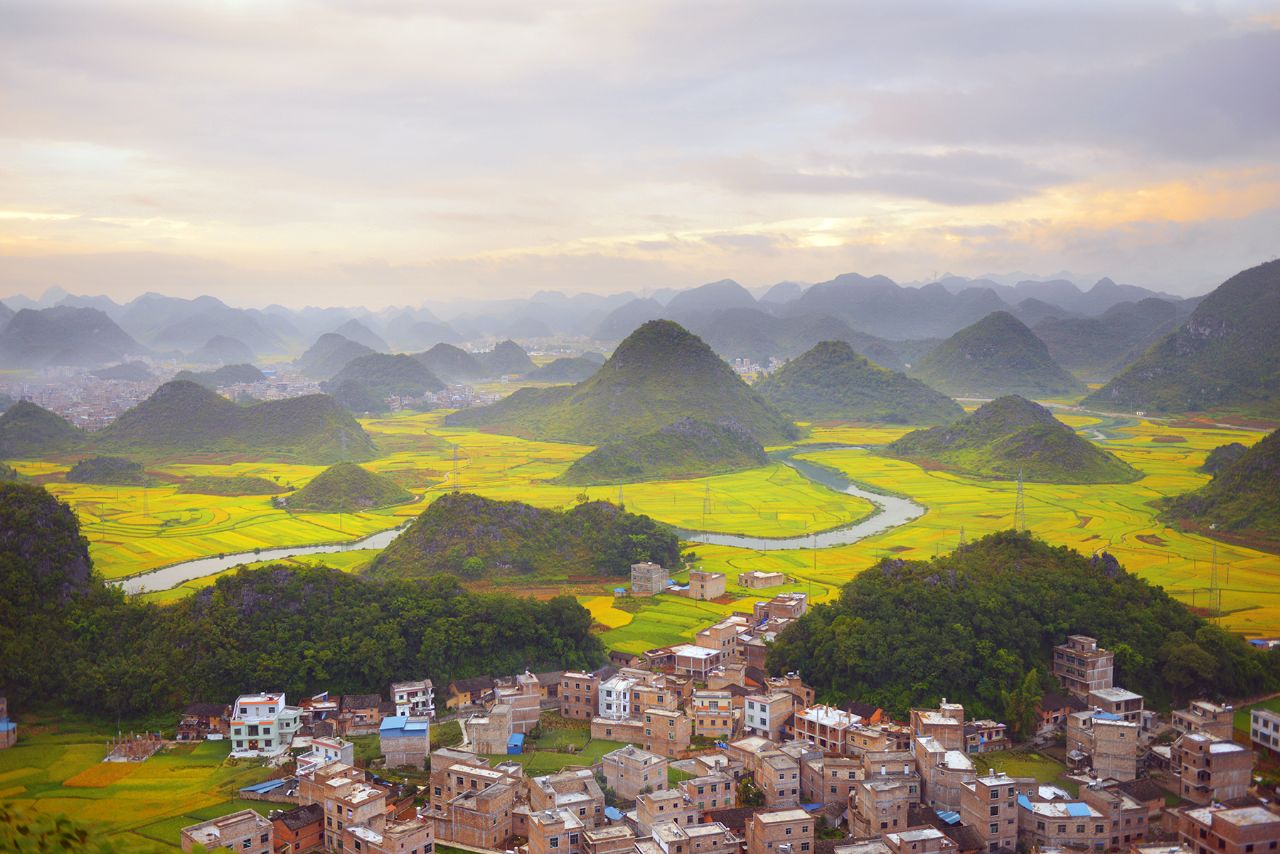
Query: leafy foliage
x=1013 y=434
x=657 y=376
x=184 y=416
x=71 y=640
x=1226 y=355
x=997 y=355
x=1222 y=456
x=23 y=830
x=472 y=536
x=1241 y=498
x=970 y=625
x=687 y=448
x=8 y=472
x=348 y=488
x=28 y=430
x=108 y=470
x=831 y=381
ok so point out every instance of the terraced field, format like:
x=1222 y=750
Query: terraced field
x=132 y=529
x=58 y=768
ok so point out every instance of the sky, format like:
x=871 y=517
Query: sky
x=377 y=152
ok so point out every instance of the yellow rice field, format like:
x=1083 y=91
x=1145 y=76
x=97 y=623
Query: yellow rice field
x=133 y=529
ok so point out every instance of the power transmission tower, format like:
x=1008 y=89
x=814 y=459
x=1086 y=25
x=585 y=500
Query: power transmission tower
x=1215 y=592
x=961 y=544
x=622 y=502
x=1020 y=507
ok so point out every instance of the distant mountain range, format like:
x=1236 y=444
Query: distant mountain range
x=1225 y=356
x=1011 y=435
x=64 y=336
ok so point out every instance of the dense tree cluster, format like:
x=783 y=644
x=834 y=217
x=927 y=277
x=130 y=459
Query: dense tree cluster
x=971 y=625
x=70 y=639
x=474 y=537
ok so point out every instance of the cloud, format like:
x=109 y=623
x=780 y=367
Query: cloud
x=957 y=177
x=573 y=144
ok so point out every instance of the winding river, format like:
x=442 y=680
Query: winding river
x=890 y=512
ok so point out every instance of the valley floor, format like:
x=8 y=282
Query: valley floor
x=132 y=530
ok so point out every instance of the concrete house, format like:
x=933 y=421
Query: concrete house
x=242 y=831
x=1082 y=666
x=262 y=725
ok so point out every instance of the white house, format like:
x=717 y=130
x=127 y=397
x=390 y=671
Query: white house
x=414 y=699
x=262 y=725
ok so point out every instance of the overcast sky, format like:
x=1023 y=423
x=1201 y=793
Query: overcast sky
x=392 y=151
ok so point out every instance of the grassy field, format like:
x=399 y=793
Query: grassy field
x=131 y=529
x=1020 y=763
x=58 y=768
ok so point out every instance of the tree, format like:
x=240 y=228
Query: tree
x=749 y=794
x=1022 y=704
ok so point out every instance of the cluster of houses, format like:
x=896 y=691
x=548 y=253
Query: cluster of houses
x=724 y=759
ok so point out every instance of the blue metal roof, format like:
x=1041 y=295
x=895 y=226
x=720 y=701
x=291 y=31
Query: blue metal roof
x=394 y=722
x=263 y=787
x=613 y=813
x=1078 y=810
x=1024 y=802
x=949 y=816
x=516 y=738
x=1106 y=716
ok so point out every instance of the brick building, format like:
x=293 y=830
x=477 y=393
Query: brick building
x=1082 y=666
x=1210 y=770
x=579 y=695
x=244 y=832
x=786 y=831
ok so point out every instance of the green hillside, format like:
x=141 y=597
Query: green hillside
x=329 y=354
x=474 y=537
x=108 y=470
x=451 y=364
x=1225 y=356
x=183 y=417
x=366 y=382
x=1243 y=498
x=347 y=488
x=659 y=375
x=688 y=448
x=508 y=357
x=970 y=625
x=28 y=430
x=1222 y=456
x=223 y=376
x=230 y=486
x=133 y=372
x=832 y=382
x=997 y=355
x=1009 y=435
x=566 y=369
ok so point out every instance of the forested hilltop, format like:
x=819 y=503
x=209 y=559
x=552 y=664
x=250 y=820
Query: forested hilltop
x=971 y=625
x=72 y=641
x=474 y=537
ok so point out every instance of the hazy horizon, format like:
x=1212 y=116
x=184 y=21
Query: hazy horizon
x=383 y=153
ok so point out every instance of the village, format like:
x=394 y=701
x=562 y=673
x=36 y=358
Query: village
x=706 y=753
